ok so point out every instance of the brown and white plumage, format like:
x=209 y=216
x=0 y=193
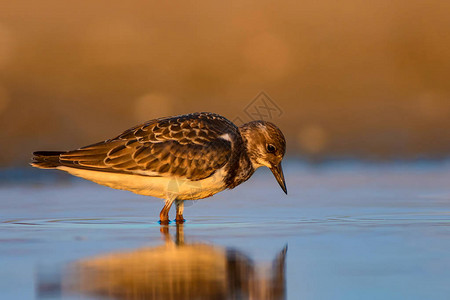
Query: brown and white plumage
x=176 y=158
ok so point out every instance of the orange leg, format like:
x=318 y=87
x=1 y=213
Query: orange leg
x=180 y=208
x=164 y=214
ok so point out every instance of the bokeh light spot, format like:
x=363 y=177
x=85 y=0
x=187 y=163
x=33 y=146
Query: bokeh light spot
x=312 y=139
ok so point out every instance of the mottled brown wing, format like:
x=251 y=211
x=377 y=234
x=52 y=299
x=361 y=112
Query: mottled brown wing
x=188 y=146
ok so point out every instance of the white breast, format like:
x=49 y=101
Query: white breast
x=160 y=187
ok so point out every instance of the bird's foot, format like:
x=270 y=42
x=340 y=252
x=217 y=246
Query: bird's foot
x=180 y=220
x=164 y=222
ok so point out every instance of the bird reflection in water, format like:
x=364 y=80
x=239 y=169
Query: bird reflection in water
x=175 y=270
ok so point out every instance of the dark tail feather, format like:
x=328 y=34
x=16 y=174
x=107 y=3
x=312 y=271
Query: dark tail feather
x=46 y=159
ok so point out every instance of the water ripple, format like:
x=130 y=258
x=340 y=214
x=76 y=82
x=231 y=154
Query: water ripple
x=429 y=218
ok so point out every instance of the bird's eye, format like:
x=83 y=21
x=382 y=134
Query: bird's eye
x=270 y=148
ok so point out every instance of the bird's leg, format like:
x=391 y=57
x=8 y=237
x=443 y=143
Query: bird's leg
x=164 y=214
x=180 y=208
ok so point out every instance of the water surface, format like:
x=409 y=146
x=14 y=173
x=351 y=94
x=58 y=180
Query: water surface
x=352 y=231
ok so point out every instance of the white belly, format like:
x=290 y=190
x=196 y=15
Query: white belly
x=160 y=187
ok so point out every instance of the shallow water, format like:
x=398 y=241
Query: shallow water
x=353 y=231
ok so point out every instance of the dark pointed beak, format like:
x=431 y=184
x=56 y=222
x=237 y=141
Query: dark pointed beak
x=278 y=173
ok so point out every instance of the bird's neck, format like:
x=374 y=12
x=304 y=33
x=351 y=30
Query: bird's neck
x=241 y=167
x=249 y=138
x=244 y=170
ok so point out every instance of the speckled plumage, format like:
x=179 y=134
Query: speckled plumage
x=204 y=153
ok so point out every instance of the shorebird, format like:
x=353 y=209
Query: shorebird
x=178 y=158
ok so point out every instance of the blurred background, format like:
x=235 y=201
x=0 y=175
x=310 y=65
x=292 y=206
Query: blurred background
x=347 y=79
x=351 y=83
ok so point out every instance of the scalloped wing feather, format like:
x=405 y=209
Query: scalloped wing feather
x=189 y=146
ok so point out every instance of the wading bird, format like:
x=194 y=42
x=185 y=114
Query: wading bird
x=177 y=158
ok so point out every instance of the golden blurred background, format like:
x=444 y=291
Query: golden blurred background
x=352 y=79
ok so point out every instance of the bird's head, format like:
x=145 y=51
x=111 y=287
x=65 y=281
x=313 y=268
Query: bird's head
x=266 y=146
